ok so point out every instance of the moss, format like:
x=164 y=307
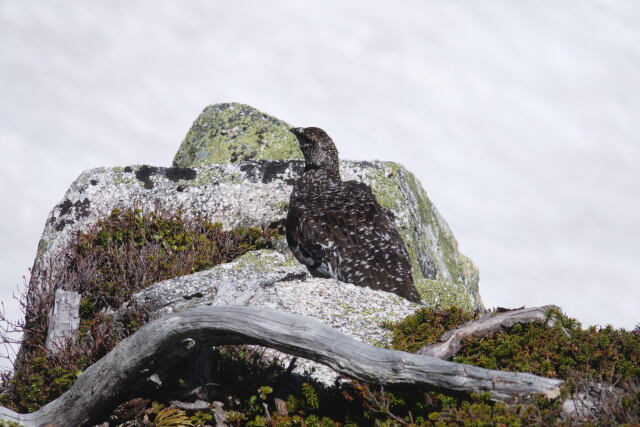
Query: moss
x=479 y=411
x=425 y=326
x=554 y=348
x=41 y=381
x=557 y=348
x=232 y=132
x=252 y=402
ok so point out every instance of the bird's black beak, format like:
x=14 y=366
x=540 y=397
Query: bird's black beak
x=296 y=131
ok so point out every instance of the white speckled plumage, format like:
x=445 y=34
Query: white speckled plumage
x=337 y=228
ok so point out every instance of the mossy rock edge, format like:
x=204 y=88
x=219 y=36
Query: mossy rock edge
x=232 y=133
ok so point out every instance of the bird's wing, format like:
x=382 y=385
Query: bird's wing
x=300 y=232
x=344 y=233
x=381 y=242
x=314 y=235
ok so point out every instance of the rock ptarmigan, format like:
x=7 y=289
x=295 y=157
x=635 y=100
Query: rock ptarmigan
x=337 y=228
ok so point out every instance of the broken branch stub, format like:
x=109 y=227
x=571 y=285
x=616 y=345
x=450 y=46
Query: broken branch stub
x=64 y=320
x=451 y=341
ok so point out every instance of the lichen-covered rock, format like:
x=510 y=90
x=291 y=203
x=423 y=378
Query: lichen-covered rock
x=443 y=276
x=257 y=193
x=246 y=194
x=231 y=133
x=240 y=282
x=269 y=279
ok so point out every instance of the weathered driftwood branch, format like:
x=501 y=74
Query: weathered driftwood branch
x=451 y=341
x=163 y=341
x=64 y=319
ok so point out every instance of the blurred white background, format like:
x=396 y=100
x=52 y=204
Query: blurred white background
x=521 y=119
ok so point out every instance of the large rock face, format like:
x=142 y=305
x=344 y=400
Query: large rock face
x=270 y=279
x=266 y=278
x=256 y=192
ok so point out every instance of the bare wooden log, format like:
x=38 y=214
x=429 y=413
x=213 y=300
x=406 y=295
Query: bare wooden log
x=165 y=340
x=450 y=343
x=64 y=319
x=219 y=415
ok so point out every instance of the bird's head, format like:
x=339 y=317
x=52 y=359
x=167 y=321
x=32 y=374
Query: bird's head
x=318 y=149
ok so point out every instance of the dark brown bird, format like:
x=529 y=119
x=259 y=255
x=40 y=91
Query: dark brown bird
x=337 y=228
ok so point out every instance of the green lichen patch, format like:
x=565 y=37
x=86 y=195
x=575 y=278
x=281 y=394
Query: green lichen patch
x=121 y=176
x=260 y=260
x=215 y=175
x=451 y=279
x=441 y=294
x=446 y=242
x=232 y=132
x=385 y=186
